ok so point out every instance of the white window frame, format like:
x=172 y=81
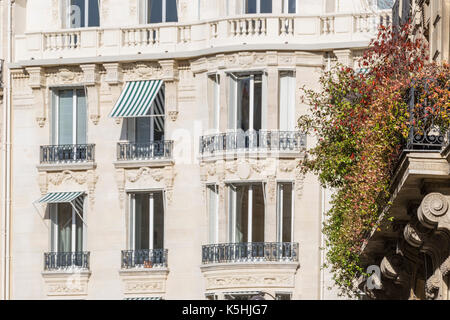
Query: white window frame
x=68 y=9
x=54 y=213
x=287 y=116
x=258 y=7
x=215 y=236
x=232 y=197
x=285 y=8
x=214 y=99
x=74 y=115
x=280 y=194
x=132 y=217
x=145 y=16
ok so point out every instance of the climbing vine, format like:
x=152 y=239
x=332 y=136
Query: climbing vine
x=361 y=120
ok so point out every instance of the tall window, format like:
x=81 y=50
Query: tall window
x=289 y=6
x=287 y=101
x=247 y=102
x=81 y=13
x=214 y=100
x=213 y=209
x=246 y=213
x=285 y=212
x=157 y=11
x=67 y=227
x=258 y=6
x=146 y=221
x=69 y=112
x=143 y=130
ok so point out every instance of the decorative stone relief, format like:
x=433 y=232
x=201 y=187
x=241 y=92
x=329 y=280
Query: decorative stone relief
x=37 y=85
x=271 y=189
x=63 y=284
x=145 y=172
x=147 y=286
x=248 y=280
x=432 y=208
x=92 y=83
x=60 y=177
x=120 y=180
x=412 y=236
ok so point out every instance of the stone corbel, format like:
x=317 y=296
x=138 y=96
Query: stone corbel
x=114 y=78
x=92 y=179
x=37 y=84
x=169 y=177
x=91 y=80
x=433 y=211
x=344 y=57
x=170 y=77
x=120 y=180
x=43 y=182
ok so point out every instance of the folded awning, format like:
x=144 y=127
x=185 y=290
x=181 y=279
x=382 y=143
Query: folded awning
x=144 y=298
x=60 y=197
x=137 y=98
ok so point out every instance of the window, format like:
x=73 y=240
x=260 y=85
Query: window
x=289 y=6
x=258 y=6
x=214 y=100
x=283 y=296
x=67 y=227
x=247 y=108
x=69 y=113
x=213 y=209
x=285 y=212
x=246 y=213
x=158 y=11
x=82 y=13
x=144 y=130
x=146 y=220
x=287 y=101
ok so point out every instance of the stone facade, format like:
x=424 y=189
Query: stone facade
x=184 y=55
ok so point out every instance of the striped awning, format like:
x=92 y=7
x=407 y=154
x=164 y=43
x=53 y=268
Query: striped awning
x=60 y=197
x=137 y=98
x=144 y=298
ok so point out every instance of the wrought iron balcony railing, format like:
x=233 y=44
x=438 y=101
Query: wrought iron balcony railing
x=144 y=151
x=250 y=252
x=427 y=129
x=55 y=261
x=263 y=141
x=70 y=153
x=145 y=258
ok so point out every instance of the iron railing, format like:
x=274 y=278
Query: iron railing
x=250 y=252
x=263 y=140
x=427 y=129
x=70 y=153
x=145 y=258
x=54 y=261
x=144 y=151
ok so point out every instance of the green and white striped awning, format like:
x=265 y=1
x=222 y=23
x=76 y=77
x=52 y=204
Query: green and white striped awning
x=137 y=98
x=144 y=298
x=60 y=197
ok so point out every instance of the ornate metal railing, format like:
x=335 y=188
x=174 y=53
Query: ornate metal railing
x=250 y=252
x=145 y=258
x=263 y=140
x=54 y=261
x=427 y=129
x=144 y=151
x=70 y=153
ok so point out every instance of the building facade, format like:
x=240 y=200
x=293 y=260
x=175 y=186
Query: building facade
x=413 y=253
x=154 y=146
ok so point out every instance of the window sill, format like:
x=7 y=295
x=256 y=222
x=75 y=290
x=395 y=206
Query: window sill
x=143 y=271
x=152 y=163
x=257 y=154
x=84 y=166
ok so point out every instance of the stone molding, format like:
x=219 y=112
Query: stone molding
x=66 y=283
x=144 y=281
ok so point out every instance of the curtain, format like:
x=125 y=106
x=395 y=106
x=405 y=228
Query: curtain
x=287 y=101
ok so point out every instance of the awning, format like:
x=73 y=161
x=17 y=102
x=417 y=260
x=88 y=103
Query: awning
x=60 y=197
x=137 y=98
x=145 y=298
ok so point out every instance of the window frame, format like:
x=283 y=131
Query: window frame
x=145 y=19
x=288 y=123
x=67 y=19
x=280 y=216
x=258 y=7
x=285 y=7
x=56 y=110
x=213 y=238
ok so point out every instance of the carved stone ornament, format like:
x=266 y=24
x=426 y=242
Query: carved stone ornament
x=155 y=174
x=432 y=208
x=412 y=236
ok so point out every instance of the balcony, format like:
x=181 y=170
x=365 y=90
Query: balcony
x=281 y=143
x=250 y=252
x=64 y=157
x=155 y=153
x=63 y=261
x=310 y=31
x=156 y=258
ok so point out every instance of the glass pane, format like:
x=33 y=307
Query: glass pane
x=155 y=11
x=291 y=8
x=171 y=11
x=243 y=104
x=241 y=214
x=250 y=6
x=258 y=214
x=287 y=212
x=79 y=233
x=142 y=225
x=64 y=227
x=266 y=6
x=81 y=117
x=65 y=117
x=213 y=197
x=158 y=228
x=77 y=12
x=94 y=16
x=257 y=103
x=143 y=130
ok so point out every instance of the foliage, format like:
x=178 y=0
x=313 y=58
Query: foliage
x=361 y=120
